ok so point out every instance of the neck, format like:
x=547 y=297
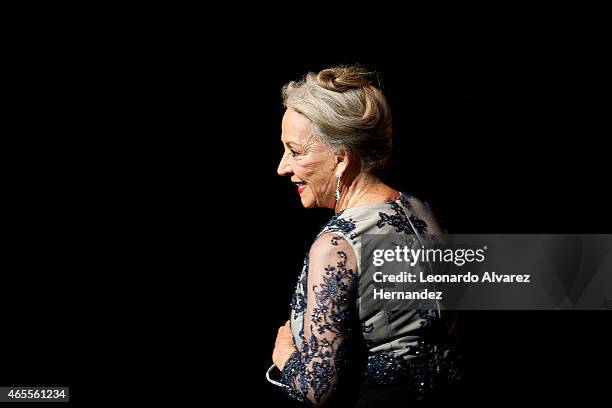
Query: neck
x=364 y=189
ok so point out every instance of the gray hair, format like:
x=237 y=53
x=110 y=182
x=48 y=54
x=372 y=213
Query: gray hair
x=347 y=112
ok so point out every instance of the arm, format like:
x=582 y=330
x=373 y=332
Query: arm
x=314 y=373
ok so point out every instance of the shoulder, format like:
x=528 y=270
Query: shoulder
x=332 y=261
x=342 y=224
x=328 y=244
x=420 y=211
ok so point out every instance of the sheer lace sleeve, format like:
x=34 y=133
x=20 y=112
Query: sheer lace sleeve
x=314 y=373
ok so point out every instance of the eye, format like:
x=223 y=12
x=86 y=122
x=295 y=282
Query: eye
x=294 y=152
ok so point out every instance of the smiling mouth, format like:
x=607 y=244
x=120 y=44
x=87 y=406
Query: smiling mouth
x=300 y=187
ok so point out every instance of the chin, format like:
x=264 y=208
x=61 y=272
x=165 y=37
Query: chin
x=308 y=203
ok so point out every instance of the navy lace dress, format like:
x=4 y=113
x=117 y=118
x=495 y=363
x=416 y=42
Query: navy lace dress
x=350 y=352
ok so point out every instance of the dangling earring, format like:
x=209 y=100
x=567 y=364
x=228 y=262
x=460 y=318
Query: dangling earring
x=338 y=189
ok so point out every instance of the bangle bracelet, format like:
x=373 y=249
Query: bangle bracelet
x=272 y=367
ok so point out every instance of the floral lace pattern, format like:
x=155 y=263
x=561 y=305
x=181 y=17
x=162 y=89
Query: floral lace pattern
x=298 y=301
x=343 y=225
x=401 y=221
x=312 y=374
x=326 y=321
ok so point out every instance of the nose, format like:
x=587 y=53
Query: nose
x=284 y=168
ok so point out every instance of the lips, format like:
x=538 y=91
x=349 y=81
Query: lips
x=300 y=186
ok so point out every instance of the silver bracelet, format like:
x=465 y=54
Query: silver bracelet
x=272 y=367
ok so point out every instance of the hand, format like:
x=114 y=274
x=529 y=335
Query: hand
x=284 y=346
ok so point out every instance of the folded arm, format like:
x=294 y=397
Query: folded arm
x=313 y=374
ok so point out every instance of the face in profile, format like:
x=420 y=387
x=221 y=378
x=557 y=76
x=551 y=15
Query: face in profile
x=310 y=164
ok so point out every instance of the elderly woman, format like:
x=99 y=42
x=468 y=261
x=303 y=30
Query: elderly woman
x=337 y=348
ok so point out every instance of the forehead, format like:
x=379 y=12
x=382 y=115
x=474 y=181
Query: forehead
x=295 y=127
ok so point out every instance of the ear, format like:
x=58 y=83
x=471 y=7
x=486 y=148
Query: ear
x=343 y=161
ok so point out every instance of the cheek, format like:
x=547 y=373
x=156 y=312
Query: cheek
x=314 y=170
x=305 y=170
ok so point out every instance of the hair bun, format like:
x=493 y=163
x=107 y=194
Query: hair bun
x=339 y=79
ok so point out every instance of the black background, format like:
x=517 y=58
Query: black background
x=154 y=243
